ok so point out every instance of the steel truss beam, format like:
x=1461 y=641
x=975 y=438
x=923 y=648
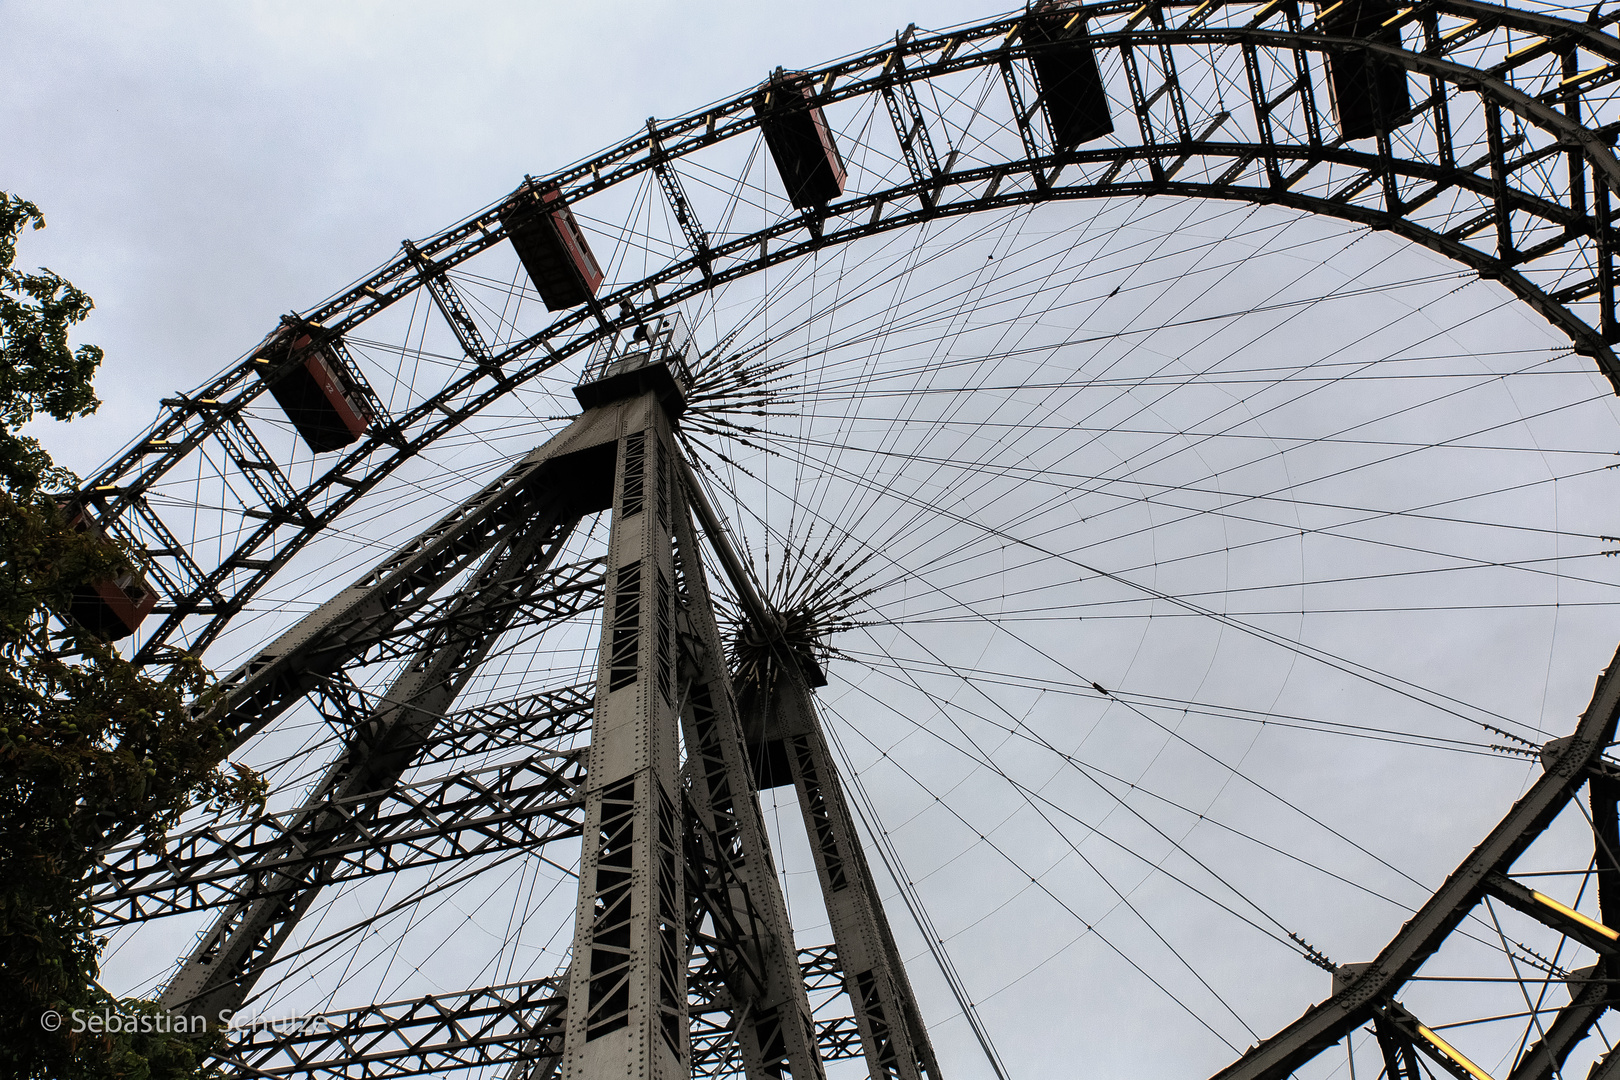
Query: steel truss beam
x=454 y=311
x=626 y=1011
x=519 y=531
x=662 y=665
x=1591 y=994
x=261 y=689
x=524 y=804
x=729 y=857
x=1360 y=999
x=1567 y=274
x=1553 y=246
x=644 y=890
x=540 y=721
x=517 y=1024
x=570 y=591
x=697 y=237
x=779 y=717
x=284 y=880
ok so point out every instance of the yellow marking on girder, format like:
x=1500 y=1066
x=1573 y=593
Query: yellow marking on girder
x=1570 y=913
x=1454 y=1054
x=1535 y=43
x=1579 y=75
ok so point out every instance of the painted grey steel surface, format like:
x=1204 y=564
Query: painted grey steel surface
x=1552 y=246
x=1559 y=259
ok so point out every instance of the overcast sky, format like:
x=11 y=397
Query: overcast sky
x=208 y=167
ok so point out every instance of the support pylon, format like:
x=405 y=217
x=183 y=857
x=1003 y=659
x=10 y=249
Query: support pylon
x=627 y=987
x=754 y=946
x=786 y=744
x=676 y=868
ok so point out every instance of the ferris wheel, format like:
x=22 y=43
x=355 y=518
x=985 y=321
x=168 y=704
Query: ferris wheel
x=1045 y=541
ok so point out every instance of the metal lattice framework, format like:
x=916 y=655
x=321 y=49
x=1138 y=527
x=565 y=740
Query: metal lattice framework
x=1502 y=162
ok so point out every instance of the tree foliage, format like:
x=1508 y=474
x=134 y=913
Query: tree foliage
x=39 y=373
x=92 y=747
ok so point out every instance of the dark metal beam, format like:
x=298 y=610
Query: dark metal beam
x=214 y=597
x=523 y=804
x=1326 y=1023
x=516 y=1024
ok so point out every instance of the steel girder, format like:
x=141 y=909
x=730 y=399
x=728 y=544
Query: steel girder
x=626 y=1010
x=663 y=859
x=885 y=1007
x=1549 y=231
x=360 y=819
x=364 y=818
x=380 y=602
x=284 y=879
x=523 y=804
x=729 y=854
x=780 y=710
x=1372 y=990
x=1549 y=238
x=516 y=1024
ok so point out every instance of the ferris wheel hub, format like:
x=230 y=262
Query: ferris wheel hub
x=653 y=356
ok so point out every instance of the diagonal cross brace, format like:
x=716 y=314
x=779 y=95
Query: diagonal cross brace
x=284 y=878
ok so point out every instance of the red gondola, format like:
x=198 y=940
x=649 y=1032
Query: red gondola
x=801 y=143
x=312 y=388
x=553 y=250
x=1066 y=69
x=112 y=608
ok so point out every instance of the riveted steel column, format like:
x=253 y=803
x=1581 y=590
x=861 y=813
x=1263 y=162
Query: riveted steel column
x=892 y=1032
x=770 y=1008
x=627 y=985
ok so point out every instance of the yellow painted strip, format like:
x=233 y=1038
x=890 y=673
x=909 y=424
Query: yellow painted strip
x=1198 y=9
x=1454 y=1054
x=1138 y=14
x=1273 y=3
x=1535 y=43
x=1570 y=913
x=1328 y=12
x=1072 y=20
x=1397 y=17
x=1578 y=76
x=1455 y=30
